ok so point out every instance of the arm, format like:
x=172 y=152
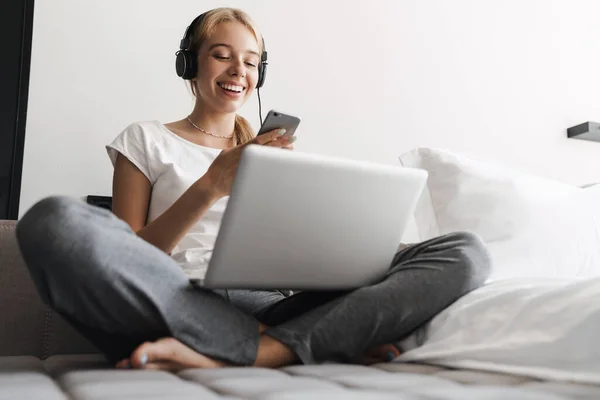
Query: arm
x=131 y=195
x=131 y=198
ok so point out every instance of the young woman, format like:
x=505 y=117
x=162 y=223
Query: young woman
x=121 y=278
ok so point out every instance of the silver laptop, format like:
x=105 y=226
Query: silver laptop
x=303 y=221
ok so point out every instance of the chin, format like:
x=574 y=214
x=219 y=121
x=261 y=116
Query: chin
x=229 y=106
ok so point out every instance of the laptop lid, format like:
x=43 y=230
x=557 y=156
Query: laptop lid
x=305 y=221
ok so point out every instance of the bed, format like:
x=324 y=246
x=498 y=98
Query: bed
x=529 y=333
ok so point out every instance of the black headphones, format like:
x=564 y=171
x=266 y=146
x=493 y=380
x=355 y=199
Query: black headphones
x=186 y=61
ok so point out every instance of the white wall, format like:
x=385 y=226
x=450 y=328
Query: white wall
x=498 y=79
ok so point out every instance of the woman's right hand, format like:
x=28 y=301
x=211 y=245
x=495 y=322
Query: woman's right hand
x=221 y=172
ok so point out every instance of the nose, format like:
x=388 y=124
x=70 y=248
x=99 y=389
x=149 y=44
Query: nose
x=238 y=67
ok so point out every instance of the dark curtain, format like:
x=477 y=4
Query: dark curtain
x=16 y=23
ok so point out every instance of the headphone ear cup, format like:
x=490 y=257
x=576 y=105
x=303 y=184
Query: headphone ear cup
x=262 y=74
x=186 y=64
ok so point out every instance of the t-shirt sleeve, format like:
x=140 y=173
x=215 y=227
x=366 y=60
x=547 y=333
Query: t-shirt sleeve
x=136 y=144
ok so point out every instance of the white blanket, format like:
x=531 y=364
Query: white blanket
x=542 y=328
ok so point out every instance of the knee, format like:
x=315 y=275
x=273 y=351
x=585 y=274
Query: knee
x=45 y=215
x=42 y=238
x=473 y=259
x=42 y=225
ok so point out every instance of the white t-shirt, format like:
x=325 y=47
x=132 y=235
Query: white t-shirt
x=173 y=164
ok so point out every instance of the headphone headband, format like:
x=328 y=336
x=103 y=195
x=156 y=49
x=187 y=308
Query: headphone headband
x=186 y=63
x=185 y=42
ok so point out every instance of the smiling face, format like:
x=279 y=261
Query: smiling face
x=227 y=67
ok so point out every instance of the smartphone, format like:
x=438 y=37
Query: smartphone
x=276 y=120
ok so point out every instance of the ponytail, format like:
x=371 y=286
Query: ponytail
x=243 y=131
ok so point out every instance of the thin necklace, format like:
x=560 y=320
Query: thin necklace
x=207 y=132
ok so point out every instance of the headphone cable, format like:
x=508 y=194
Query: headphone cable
x=259 y=107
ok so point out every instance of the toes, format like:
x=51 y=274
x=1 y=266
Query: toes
x=171 y=353
x=143 y=354
x=164 y=366
x=369 y=360
x=123 y=364
x=166 y=349
x=386 y=352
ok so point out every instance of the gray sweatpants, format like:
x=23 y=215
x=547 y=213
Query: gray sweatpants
x=119 y=291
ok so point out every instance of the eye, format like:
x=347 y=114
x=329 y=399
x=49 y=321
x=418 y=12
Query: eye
x=220 y=57
x=250 y=64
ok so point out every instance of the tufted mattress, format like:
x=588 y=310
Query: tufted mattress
x=83 y=377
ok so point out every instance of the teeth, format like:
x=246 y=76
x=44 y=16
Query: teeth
x=233 y=88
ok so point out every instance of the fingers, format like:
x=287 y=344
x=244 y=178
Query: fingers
x=282 y=142
x=274 y=138
x=269 y=136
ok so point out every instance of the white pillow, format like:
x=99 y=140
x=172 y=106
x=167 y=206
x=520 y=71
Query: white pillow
x=533 y=227
x=411 y=234
x=541 y=327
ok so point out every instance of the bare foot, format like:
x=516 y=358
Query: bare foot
x=383 y=353
x=262 y=327
x=167 y=354
x=275 y=352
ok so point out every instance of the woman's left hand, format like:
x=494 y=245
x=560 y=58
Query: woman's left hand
x=290 y=146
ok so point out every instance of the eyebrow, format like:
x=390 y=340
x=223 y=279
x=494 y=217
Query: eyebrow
x=230 y=47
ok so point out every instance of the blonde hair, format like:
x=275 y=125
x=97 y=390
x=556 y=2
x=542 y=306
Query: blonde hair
x=243 y=131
